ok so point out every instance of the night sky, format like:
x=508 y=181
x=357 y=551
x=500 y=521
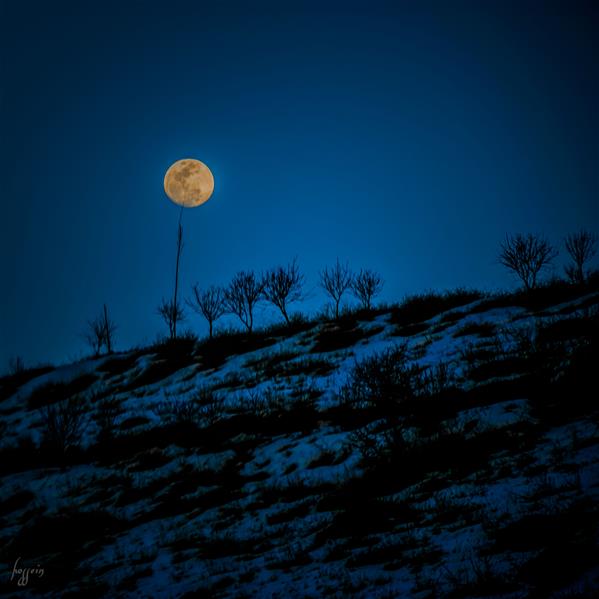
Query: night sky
x=404 y=137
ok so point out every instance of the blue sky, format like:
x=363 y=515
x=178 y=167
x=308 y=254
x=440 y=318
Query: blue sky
x=404 y=137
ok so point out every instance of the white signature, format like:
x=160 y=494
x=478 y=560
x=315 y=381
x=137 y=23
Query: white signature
x=24 y=573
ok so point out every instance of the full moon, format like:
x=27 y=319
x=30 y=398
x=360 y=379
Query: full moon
x=188 y=183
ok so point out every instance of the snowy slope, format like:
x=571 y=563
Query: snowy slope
x=249 y=475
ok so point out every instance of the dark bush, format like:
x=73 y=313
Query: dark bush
x=212 y=353
x=53 y=392
x=545 y=295
x=287 y=364
x=180 y=348
x=203 y=407
x=437 y=379
x=119 y=364
x=63 y=426
x=67 y=531
x=482 y=329
x=381 y=381
x=21 y=456
x=298 y=323
x=172 y=354
x=424 y=306
x=491 y=368
x=410 y=330
x=563 y=330
x=339 y=335
x=210 y=404
x=17 y=501
x=108 y=410
x=133 y=422
x=10 y=383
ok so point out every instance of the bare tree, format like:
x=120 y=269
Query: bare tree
x=95 y=335
x=210 y=303
x=100 y=332
x=242 y=295
x=172 y=312
x=526 y=255
x=581 y=247
x=336 y=281
x=283 y=285
x=365 y=286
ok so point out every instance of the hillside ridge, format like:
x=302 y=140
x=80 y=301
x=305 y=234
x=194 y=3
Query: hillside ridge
x=444 y=446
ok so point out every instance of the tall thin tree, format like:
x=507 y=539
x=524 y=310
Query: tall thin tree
x=175 y=308
x=109 y=329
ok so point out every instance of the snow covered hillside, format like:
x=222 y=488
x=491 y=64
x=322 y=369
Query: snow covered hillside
x=444 y=447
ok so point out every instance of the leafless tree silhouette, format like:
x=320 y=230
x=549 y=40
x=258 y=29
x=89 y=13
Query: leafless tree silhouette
x=365 y=286
x=100 y=332
x=336 y=281
x=581 y=247
x=95 y=335
x=242 y=295
x=526 y=255
x=210 y=303
x=282 y=286
x=171 y=313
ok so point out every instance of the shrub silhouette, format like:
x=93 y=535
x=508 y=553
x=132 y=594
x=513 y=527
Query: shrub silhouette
x=106 y=417
x=417 y=308
x=381 y=381
x=62 y=425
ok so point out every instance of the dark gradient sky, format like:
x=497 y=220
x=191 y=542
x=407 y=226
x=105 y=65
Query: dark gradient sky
x=406 y=137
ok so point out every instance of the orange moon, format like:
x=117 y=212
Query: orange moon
x=188 y=182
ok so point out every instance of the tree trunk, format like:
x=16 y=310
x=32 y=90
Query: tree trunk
x=107 y=333
x=179 y=247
